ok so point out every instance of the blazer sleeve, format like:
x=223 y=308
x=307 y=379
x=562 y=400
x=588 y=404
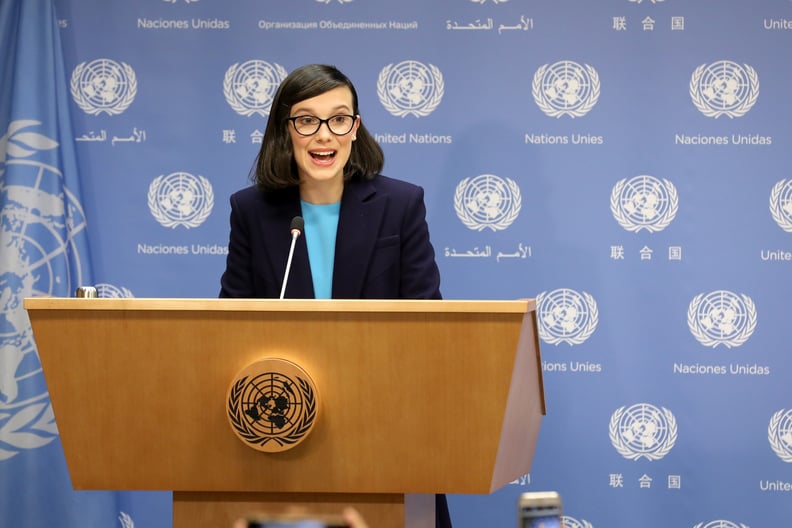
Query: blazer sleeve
x=237 y=280
x=420 y=277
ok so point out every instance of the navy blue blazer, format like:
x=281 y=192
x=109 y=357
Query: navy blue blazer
x=382 y=246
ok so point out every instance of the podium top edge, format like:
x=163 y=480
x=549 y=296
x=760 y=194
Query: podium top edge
x=281 y=305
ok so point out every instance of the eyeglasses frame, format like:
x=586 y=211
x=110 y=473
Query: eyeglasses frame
x=325 y=122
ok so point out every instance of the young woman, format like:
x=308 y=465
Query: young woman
x=365 y=234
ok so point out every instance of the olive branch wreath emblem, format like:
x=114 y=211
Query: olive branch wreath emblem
x=428 y=106
x=721 y=524
x=741 y=337
x=627 y=452
x=470 y=222
x=196 y=220
x=29 y=426
x=294 y=435
x=571 y=522
x=85 y=104
x=783 y=452
x=661 y=223
x=549 y=110
x=776 y=206
x=705 y=108
x=581 y=333
x=231 y=97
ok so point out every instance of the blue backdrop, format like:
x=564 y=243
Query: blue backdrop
x=625 y=162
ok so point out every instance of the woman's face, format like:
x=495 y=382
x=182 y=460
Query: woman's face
x=321 y=156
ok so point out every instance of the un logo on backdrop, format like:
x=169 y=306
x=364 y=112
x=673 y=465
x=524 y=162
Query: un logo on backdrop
x=103 y=85
x=721 y=318
x=180 y=199
x=724 y=88
x=410 y=87
x=781 y=204
x=644 y=202
x=643 y=431
x=250 y=87
x=720 y=524
x=571 y=522
x=779 y=434
x=565 y=315
x=35 y=262
x=487 y=202
x=109 y=291
x=566 y=88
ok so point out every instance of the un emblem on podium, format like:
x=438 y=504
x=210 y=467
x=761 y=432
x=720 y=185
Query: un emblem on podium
x=272 y=405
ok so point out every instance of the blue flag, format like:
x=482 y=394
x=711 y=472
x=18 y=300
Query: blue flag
x=43 y=251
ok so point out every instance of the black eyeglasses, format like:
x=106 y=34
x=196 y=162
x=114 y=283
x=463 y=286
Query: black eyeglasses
x=308 y=125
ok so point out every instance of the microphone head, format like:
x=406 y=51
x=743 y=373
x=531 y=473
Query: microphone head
x=297 y=226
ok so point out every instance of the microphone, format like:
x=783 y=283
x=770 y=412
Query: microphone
x=296 y=229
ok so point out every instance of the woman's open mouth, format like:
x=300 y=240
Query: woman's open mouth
x=323 y=157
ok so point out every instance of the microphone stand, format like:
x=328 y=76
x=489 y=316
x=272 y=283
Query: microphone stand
x=296 y=228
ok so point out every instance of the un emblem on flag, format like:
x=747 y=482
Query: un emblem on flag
x=722 y=318
x=180 y=199
x=643 y=431
x=40 y=225
x=103 y=85
x=565 y=315
x=410 y=87
x=779 y=434
x=487 y=202
x=250 y=87
x=644 y=202
x=724 y=88
x=272 y=405
x=565 y=88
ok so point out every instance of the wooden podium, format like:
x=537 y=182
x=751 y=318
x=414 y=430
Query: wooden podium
x=416 y=398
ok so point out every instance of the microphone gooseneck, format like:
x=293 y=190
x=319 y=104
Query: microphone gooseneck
x=296 y=229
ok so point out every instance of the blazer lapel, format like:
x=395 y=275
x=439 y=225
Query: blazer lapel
x=358 y=224
x=285 y=205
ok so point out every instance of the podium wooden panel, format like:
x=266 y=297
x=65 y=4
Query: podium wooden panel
x=417 y=397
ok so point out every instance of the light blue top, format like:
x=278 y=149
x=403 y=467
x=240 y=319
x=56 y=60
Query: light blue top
x=321 y=225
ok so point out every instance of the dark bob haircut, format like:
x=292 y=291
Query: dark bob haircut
x=275 y=167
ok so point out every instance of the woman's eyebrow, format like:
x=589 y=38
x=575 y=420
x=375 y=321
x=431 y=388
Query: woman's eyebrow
x=309 y=110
